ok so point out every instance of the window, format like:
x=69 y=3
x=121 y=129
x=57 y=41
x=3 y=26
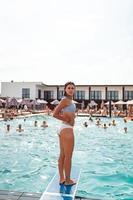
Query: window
x=79 y=94
x=48 y=95
x=25 y=92
x=112 y=95
x=39 y=94
x=128 y=95
x=95 y=95
x=61 y=93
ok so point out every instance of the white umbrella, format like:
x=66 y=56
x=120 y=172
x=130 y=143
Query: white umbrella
x=92 y=103
x=19 y=101
x=25 y=102
x=130 y=102
x=107 y=103
x=40 y=101
x=55 y=102
x=13 y=102
x=120 y=102
x=34 y=102
x=2 y=101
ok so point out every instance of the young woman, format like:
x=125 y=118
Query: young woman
x=65 y=111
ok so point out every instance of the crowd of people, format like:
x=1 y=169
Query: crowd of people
x=99 y=123
x=21 y=129
x=13 y=112
x=116 y=110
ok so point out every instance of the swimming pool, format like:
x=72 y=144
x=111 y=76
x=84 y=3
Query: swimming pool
x=29 y=160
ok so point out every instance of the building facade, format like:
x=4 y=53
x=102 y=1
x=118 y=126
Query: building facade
x=39 y=90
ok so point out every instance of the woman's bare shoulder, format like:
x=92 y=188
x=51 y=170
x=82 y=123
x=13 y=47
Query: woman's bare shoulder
x=64 y=101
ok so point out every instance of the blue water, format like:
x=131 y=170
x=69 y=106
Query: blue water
x=29 y=160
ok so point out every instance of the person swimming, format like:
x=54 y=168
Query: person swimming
x=19 y=129
x=44 y=124
x=85 y=124
x=125 y=129
x=35 y=123
x=113 y=122
x=8 y=128
x=105 y=126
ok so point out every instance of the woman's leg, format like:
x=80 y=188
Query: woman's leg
x=68 y=145
x=61 y=161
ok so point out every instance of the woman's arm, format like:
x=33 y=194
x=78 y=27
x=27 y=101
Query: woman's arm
x=57 y=112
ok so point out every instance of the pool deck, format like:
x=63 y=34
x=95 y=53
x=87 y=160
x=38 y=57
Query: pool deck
x=11 y=195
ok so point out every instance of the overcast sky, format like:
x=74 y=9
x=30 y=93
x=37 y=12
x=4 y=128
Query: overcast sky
x=53 y=41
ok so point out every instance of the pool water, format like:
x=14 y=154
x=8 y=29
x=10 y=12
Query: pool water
x=28 y=160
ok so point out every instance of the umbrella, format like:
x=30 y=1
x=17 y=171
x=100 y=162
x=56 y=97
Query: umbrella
x=19 y=101
x=40 y=101
x=1 y=101
x=13 y=102
x=92 y=103
x=107 y=103
x=130 y=102
x=120 y=102
x=55 y=102
x=25 y=102
x=34 y=102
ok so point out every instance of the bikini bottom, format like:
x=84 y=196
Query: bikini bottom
x=63 y=126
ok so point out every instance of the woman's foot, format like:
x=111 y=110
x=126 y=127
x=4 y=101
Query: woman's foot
x=62 y=181
x=70 y=182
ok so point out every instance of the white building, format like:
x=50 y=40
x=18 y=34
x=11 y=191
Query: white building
x=40 y=90
x=19 y=89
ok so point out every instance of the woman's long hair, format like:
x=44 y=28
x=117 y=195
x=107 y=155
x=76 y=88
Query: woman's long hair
x=68 y=83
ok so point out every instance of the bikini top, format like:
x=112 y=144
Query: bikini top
x=70 y=108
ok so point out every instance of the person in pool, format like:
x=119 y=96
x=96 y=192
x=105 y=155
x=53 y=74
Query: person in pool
x=65 y=111
x=19 y=129
x=35 y=123
x=7 y=127
x=44 y=124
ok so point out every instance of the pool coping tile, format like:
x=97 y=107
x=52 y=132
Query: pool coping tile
x=14 y=195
